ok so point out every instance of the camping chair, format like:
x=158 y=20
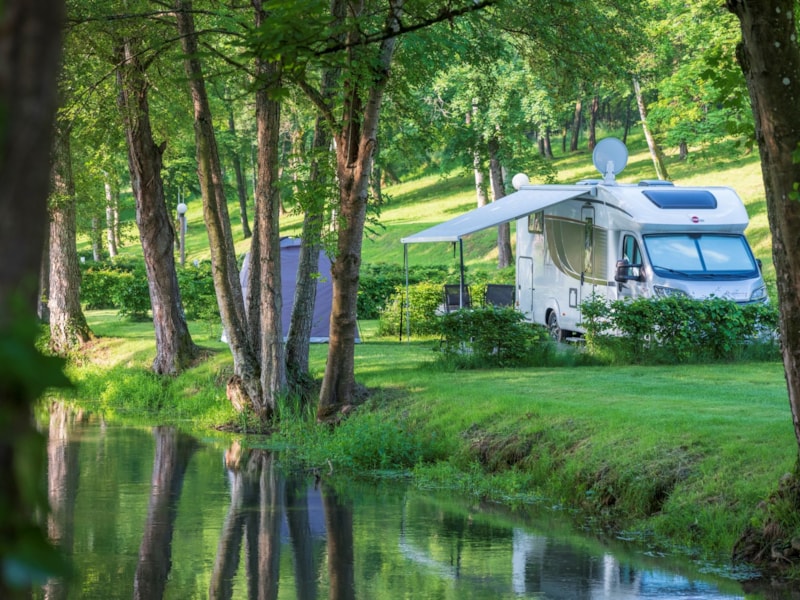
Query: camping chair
x=451 y=300
x=498 y=295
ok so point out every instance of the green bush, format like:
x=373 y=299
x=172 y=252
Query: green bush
x=197 y=292
x=493 y=337
x=131 y=295
x=378 y=282
x=424 y=299
x=678 y=330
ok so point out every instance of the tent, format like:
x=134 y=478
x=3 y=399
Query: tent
x=290 y=257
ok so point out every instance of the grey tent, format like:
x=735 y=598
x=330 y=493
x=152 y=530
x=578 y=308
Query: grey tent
x=290 y=257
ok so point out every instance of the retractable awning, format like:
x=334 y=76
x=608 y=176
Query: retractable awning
x=528 y=199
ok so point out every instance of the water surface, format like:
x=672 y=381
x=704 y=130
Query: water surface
x=153 y=513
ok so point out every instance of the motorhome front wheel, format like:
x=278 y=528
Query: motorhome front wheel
x=554 y=327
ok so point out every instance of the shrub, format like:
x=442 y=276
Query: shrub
x=197 y=292
x=379 y=282
x=676 y=329
x=494 y=337
x=424 y=300
x=131 y=295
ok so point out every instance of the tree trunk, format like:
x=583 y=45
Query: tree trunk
x=683 y=150
x=174 y=346
x=548 y=148
x=97 y=238
x=305 y=295
x=477 y=166
x=577 y=121
x=111 y=211
x=627 y=120
x=245 y=386
x=504 y=253
x=655 y=150
x=266 y=259
x=355 y=144
x=241 y=186
x=770 y=60
x=30 y=52
x=68 y=327
x=594 y=112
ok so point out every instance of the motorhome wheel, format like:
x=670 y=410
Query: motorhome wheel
x=554 y=327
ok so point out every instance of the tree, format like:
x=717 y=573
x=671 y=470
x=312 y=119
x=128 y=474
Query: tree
x=174 y=345
x=30 y=55
x=264 y=285
x=770 y=59
x=68 y=327
x=244 y=389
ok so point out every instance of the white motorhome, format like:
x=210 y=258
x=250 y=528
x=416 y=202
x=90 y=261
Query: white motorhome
x=613 y=240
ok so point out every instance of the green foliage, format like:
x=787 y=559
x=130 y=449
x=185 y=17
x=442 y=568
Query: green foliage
x=197 y=292
x=424 y=300
x=493 y=337
x=378 y=282
x=131 y=295
x=25 y=374
x=679 y=330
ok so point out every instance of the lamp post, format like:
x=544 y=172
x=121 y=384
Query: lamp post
x=182 y=224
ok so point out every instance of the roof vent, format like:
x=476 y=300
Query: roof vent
x=677 y=198
x=655 y=182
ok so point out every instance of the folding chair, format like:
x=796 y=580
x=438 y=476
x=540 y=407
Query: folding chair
x=451 y=297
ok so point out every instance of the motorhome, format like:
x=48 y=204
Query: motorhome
x=613 y=240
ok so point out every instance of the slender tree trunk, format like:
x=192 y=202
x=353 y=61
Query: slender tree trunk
x=30 y=52
x=174 y=346
x=97 y=238
x=305 y=296
x=655 y=150
x=577 y=121
x=627 y=120
x=244 y=388
x=594 y=113
x=68 y=327
x=504 y=253
x=548 y=148
x=111 y=230
x=241 y=185
x=355 y=144
x=266 y=262
x=477 y=164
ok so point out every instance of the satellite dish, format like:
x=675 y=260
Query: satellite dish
x=610 y=157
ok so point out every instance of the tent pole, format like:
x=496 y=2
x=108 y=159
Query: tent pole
x=461 y=279
x=407 y=306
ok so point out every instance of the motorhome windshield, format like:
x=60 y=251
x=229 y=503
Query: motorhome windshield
x=700 y=255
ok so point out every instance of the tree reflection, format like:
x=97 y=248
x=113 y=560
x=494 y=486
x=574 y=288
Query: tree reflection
x=255 y=514
x=62 y=485
x=339 y=525
x=173 y=451
x=300 y=534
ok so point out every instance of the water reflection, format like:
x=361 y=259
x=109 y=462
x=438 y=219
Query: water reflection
x=153 y=513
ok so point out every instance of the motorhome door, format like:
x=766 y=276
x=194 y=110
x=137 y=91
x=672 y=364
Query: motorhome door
x=525 y=286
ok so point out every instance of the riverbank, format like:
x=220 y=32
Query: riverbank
x=676 y=458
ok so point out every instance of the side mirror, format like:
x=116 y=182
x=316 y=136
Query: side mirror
x=628 y=272
x=760 y=265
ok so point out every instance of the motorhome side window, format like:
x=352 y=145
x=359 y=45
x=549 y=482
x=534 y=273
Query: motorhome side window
x=536 y=222
x=630 y=250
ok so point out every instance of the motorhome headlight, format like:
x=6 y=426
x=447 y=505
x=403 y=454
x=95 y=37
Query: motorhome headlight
x=667 y=292
x=759 y=294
